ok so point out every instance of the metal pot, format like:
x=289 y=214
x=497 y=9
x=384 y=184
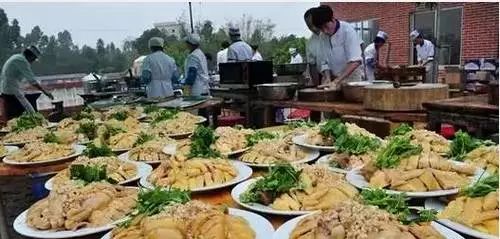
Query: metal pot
x=319 y=95
x=354 y=91
x=277 y=91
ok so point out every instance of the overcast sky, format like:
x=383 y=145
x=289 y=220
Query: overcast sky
x=117 y=21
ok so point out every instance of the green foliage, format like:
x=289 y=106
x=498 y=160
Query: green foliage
x=93 y=151
x=401 y=129
x=89 y=129
x=201 y=140
x=28 y=121
x=143 y=138
x=86 y=113
x=345 y=142
x=89 y=173
x=301 y=124
x=396 y=149
x=258 y=136
x=51 y=138
x=280 y=179
x=482 y=187
x=164 y=114
x=120 y=116
x=463 y=143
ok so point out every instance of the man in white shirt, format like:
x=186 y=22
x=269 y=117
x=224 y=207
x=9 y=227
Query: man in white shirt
x=372 y=62
x=222 y=54
x=315 y=50
x=344 y=57
x=256 y=54
x=425 y=54
x=238 y=50
x=295 y=57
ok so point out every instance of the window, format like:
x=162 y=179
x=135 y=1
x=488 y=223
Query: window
x=450 y=33
x=367 y=30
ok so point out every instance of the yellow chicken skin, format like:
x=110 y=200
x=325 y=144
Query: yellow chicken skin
x=485 y=157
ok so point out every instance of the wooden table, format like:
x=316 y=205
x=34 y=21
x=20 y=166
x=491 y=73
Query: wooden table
x=472 y=113
x=92 y=97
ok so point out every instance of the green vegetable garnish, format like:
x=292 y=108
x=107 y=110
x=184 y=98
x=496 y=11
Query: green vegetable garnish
x=51 y=138
x=86 y=113
x=143 y=138
x=333 y=128
x=393 y=203
x=301 y=124
x=151 y=108
x=201 y=140
x=482 y=187
x=28 y=121
x=93 y=151
x=164 y=114
x=254 y=138
x=281 y=178
x=153 y=201
x=399 y=147
x=345 y=142
x=89 y=129
x=89 y=173
x=120 y=115
x=463 y=143
x=426 y=215
x=112 y=131
x=401 y=129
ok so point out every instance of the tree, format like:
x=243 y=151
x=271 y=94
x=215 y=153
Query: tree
x=141 y=43
x=34 y=37
x=15 y=35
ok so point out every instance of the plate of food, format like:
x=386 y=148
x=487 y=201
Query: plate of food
x=197 y=174
x=111 y=169
x=177 y=216
x=25 y=121
x=474 y=212
x=298 y=191
x=43 y=153
x=7 y=150
x=76 y=212
x=231 y=141
x=150 y=152
x=180 y=126
x=342 y=162
x=354 y=220
x=306 y=141
x=20 y=138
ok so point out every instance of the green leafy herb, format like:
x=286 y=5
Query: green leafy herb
x=120 y=115
x=89 y=173
x=333 y=128
x=93 y=151
x=28 y=121
x=164 y=114
x=86 y=113
x=401 y=129
x=281 y=178
x=254 y=138
x=51 y=138
x=143 y=138
x=482 y=187
x=151 y=108
x=89 y=129
x=463 y=143
x=301 y=124
x=345 y=142
x=153 y=201
x=111 y=131
x=426 y=215
x=201 y=140
x=398 y=148
x=393 y=203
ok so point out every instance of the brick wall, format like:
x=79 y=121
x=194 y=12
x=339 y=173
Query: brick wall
x=479 y=26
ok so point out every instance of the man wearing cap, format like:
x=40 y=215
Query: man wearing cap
x=238 y=50
x=425 y=54
x=295 y=57
x=343 y=58
x=195 y=68
x=158 y=71
x=372 y=62
x=16 y=69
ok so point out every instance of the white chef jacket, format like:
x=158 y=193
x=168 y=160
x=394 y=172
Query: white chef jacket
x=371 y=59
x=198 y=60
x=239 y=51
x=221 y=57
x=345 y=47
x=257 y=56
x=315 y=49
x=296 y=59
x=162 y=68
x=426 y=51
x=17 y=69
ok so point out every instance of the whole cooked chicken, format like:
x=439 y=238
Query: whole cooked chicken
x=274 y=151
x=36 y=152
x=150 y=151
x=25 y=136
x=230 y=139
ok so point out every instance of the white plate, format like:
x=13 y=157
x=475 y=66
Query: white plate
x=244 y=172
x=24 y=229
x=124 y=156
x=261 y=226
x=77 y=148
x=325 y=160
x=436 y=204
x=311 y=156
x=51 y=125
x=242 y=187
x=355 y=178
x=286 y=229
x=239 y=151
x=301 y=140
x=120 y=150
x=10 y=149
x=143 y=170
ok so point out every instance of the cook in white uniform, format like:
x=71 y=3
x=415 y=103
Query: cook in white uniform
x=295 y=57
x=256 y=54
x=159 y=71
x=16 y=70
x=372 y=62
x=344 y=57
x=196 y=68
x=315 y=48
x=222 y=54
x=425 y=54
x=238 y=50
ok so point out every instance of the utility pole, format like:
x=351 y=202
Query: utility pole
x=191 y=17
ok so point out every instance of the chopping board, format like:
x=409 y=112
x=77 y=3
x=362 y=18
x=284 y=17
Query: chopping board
x=385 y=97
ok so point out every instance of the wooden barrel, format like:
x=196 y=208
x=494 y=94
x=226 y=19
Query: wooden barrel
x=385 y=97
